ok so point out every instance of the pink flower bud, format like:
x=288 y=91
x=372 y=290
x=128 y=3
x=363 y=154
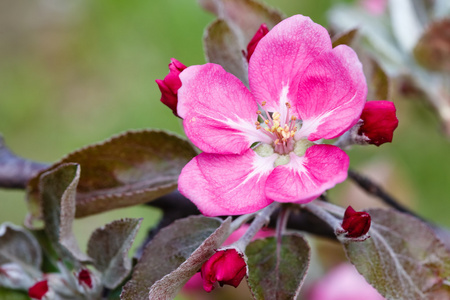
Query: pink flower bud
x=225 y=267
x=379 y=122
x=84 y=277
x=170 y=85
x=38 y=290
x=355 y=223
x=262 y=31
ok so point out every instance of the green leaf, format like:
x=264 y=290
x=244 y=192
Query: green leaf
x=177 y=251
x=403 y=259
x=222 y=47
x=277 y=271
x=108 y=246
x=58 y=191
x=345 y=38
x=129 y=169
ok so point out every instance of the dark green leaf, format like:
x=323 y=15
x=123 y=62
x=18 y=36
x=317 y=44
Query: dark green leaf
x=7 y=294
x=403 y=259
x=222 y=47
x=132 y=168
x=177 y=251
x=246 y=15
x=58 y=189
x=108 y=247
x=345 y=38
x=277 y=271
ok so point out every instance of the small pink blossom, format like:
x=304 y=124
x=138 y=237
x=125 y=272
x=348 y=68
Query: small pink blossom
x=262 y=31
x=379 y=122
x=375 y=7
x=38 y=290
x=170 y=85
x=263 y=145
x=226 y=266
x=343 y=283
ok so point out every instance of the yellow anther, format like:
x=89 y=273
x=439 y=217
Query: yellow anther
x=292 y=133
x=266 y=121
x=279 y=129
x=268 y=129
x=258 y=112
x=263 y=103
x=293 y=118
x=288 y=105
x=277 y=141
x=258 y=127
x=256 y=123
x=276 y=115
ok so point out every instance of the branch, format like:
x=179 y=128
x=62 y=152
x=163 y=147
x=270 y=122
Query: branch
x=374 y=189
x=15 y=171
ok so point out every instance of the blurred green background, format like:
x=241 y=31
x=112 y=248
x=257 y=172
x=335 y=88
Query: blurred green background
x=76 y=72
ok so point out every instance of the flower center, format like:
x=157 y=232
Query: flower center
x=280 y=131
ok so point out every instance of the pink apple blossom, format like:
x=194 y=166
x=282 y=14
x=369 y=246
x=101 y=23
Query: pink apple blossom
x=343 y=283
x=263 y=145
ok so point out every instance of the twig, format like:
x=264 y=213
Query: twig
x=374 y=189
x=15 y=171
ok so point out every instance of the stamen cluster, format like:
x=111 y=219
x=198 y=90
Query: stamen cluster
x=280 y=131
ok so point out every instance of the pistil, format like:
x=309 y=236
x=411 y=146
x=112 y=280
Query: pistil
x=281 y=131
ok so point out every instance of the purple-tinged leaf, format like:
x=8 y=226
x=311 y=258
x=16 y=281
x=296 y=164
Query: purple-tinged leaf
x=433 y=49
x=109 y=245
x=403 y=259
x=222 y=47
x=19 y=246
x=58 y=188
x=277 y=271
x=244 y=15
x=174 y=255
x=345 y=38
x=132 y=168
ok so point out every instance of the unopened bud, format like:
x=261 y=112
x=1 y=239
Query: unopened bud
x=226 y=266
x=170 y=85
x=262 y=31
x=84 y=278
x=38 y=290
x=355 y=223
x=378 y=122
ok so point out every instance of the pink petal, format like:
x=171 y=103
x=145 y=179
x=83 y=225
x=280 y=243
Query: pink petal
x=218 y=110
x=227 y=184
x=307 y=177
x=281 y=57
x=332 y=94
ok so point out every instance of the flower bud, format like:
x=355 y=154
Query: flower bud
x=84 y=278
x=355 y=223
x=226 y=266
x=38 y=290
x=378 y=122
x=262 y=31
x=170 y=85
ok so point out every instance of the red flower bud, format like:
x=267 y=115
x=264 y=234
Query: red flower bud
x=38 y=290
x=379 y=122
x=170 y=85
x=262 y=31
x=225 y=267
x=355 y=223
x=84 y=277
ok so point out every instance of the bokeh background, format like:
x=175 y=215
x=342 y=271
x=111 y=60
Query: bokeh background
x=76 y=72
